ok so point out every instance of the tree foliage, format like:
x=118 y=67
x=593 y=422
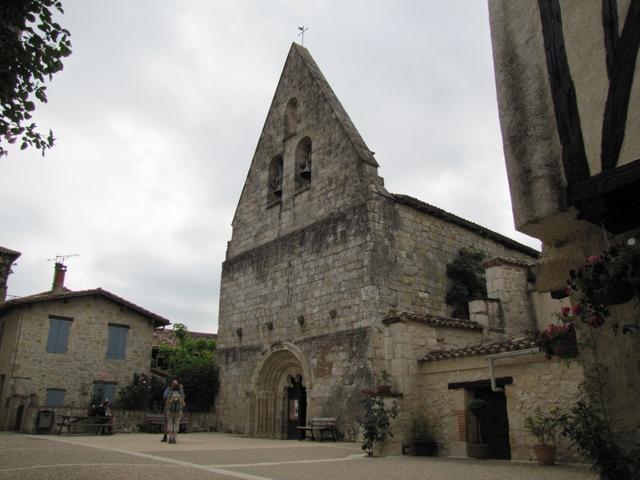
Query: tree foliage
x=144 y=392
x=193 y=363
x=32 y=46
x=467 y=281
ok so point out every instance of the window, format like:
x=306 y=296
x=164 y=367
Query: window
x=58 y=334
x=275 y=179
x=105 y=390
x=303 y=164
x=55 y=397
x=291 y=118
x=117 y=343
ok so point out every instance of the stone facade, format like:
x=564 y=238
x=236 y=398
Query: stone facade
x=569 y=101
x=331 y=280
x=28 y=370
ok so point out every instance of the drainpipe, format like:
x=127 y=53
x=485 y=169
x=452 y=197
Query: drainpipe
x=498 y=356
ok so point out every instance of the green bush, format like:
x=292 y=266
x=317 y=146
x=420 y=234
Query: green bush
x=143 y=392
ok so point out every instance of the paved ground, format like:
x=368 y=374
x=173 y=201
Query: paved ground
x=214 y=456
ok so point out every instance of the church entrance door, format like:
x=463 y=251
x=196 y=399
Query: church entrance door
x=297 y=407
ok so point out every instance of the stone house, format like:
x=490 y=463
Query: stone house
x=57 y=347
x=330 y=279
x=569 y=102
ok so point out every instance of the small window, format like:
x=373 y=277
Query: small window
x=55 y=397
x=117 y=342
x=291 y=118
x=58 y=334
x=303 y=164
x=105 y=390
x=275 y=179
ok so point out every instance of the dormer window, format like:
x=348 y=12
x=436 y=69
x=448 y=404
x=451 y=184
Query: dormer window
x=303 y=164
x=275 y=179
x=291 y=118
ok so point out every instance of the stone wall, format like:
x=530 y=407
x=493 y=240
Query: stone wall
x=410 y=250
x=32 y=370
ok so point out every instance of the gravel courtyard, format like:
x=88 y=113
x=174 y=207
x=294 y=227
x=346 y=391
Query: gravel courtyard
x=219 y=456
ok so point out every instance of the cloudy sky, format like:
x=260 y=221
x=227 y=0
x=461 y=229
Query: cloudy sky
x=159 y=109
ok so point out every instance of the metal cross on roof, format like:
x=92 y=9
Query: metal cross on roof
x=302 y=29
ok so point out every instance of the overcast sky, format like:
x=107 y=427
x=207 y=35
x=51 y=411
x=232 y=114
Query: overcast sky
x=159 y=109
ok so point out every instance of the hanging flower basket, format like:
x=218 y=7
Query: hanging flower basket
x=565 y=350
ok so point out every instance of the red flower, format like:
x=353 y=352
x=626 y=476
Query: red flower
x=566 y=311
x=594 y=259
x=576 y=309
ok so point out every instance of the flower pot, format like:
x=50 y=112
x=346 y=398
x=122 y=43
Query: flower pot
x=545 y=454
x=565 y=350
x=425 y=449
x=479 y=450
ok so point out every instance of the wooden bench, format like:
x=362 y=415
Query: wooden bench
x=153 y=421
x=96 y=422
x=320 y=424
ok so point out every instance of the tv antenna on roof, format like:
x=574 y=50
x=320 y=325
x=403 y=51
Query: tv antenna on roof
x=302 y=29
x=62 y=258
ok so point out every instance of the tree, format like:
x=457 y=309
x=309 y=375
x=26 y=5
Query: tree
x=32 y=46
x=192 y=362
x=467 y=281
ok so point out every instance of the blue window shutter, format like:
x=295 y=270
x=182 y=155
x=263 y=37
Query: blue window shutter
x=58 y=335
x=109 y=391
x=55 y=397
x=105 y=390
x=117 y=342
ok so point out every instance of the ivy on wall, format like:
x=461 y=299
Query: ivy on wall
x=467 y=279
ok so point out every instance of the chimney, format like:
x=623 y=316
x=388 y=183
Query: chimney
x=58 y=277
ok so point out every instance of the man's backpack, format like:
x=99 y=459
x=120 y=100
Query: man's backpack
x=174 y=401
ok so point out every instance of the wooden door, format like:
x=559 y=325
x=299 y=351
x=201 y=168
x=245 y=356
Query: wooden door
x=495 y=423
x=296 y=408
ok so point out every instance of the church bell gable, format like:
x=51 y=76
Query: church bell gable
x=310 y=160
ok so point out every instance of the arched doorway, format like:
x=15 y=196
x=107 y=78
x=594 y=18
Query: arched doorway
x=280 y=387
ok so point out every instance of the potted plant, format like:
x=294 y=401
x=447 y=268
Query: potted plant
x=384 y=382
x=544 y=428
x=479 y=407
x=375 y=421
x=421 y=436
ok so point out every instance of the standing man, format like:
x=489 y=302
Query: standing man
x=173 y=410
x=165 y=395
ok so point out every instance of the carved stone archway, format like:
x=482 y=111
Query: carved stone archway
x=271 y=380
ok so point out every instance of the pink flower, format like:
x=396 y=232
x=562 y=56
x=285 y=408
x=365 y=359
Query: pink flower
x=594 y=259
x=576 y=309
x=566 y=311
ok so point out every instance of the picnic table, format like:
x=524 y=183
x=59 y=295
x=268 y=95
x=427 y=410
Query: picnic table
x=69 y=421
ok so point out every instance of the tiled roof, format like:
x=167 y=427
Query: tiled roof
x=461 y=222
x=433 y=320
x=480 y=350
x=8 y=251
x=168 y=337
x=66 y=293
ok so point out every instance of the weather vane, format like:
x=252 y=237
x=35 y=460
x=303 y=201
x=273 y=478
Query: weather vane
x=302 y=29
x=62 y=258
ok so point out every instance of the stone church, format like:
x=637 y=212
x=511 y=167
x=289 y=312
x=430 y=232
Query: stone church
x=329 y=279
